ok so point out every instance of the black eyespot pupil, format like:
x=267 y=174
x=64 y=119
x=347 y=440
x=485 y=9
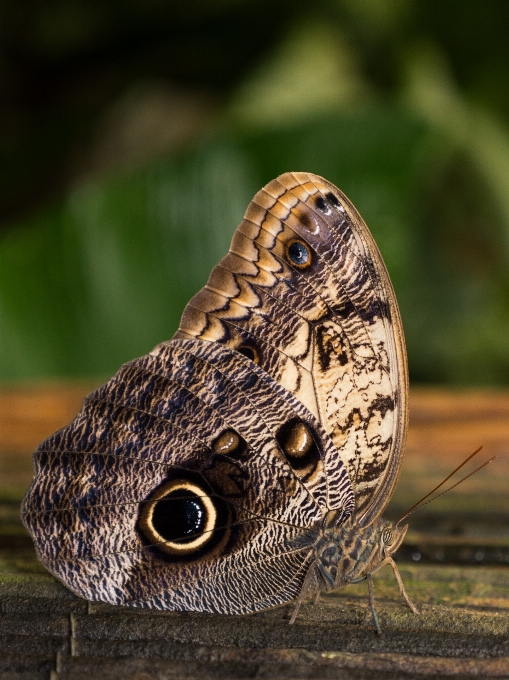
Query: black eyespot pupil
x=179 y=516
x=298 y=253
x=321 y=204
x=332 y=199
x=247 y=352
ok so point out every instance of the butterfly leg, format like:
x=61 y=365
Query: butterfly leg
x=372 y=604
x=306 y=586
x=402 y=587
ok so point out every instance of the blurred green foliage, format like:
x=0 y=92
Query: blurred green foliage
x=403 y=105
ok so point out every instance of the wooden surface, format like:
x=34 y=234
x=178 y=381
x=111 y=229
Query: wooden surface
x=455 y=564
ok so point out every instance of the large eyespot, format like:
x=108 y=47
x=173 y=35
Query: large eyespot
x=299 y=254
x=297 y=443
x=179 y=518
x=250 y=352
x=387 y=536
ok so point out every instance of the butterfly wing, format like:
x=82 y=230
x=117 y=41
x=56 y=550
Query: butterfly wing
x=191 y=480
x=305 y=294
x=198 y=476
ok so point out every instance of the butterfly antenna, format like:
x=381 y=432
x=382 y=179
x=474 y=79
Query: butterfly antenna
x=453 y=486
x=418 y=504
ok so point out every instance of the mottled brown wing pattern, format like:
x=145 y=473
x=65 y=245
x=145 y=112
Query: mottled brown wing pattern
x=206 y=475
x=305 y=294
x=198 y=419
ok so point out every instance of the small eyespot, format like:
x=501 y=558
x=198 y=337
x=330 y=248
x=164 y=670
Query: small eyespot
x=387 y=536
x=228 y=442
x=333 y=200
x=322 y=205
x=250 y=352
x=299 y=254
x=298 y=444
x=305 y=220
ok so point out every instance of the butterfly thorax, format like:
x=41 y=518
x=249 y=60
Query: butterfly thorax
x=347 y=554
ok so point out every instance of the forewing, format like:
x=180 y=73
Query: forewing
x=323 y=323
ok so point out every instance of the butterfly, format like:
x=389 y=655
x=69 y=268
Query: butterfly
x=246 y=462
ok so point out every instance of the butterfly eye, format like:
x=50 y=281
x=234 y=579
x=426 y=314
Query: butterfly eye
x=228 y=442
x=387 y=536
x=179 y=518
x=250 y=352
x=299 y=254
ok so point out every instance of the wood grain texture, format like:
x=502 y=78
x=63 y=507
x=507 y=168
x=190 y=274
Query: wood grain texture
x=462 y=634
x=44 y=627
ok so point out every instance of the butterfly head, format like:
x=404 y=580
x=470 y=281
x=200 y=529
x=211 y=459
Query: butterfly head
x=385 y=538
x=381 y=540
x=365 y=550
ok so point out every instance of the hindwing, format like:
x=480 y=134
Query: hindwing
x=191 y=422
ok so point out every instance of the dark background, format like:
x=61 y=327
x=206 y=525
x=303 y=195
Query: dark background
x=133 y=134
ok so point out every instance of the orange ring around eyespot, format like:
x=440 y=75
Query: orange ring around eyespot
x=304 y=265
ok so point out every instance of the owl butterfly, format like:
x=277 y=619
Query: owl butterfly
x=247 y=461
